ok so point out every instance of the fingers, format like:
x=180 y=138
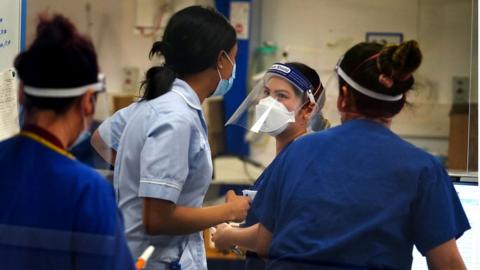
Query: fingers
x=230 y=196
x=221 y=226
x=211 y=240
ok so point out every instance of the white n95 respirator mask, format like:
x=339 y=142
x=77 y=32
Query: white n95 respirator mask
x=271 y=117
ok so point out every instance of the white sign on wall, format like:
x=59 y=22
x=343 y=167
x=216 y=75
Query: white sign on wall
x=10 y=34
x=239 y=18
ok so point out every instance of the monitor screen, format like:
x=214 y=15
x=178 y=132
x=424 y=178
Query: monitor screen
x=469 y=243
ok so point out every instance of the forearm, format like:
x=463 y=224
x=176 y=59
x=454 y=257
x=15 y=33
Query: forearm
x=185 y=220
x=264 y=238
x=244 y=237
x=102 y=148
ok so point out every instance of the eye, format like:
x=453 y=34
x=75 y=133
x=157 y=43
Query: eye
x=266 y=92
x=281 y=96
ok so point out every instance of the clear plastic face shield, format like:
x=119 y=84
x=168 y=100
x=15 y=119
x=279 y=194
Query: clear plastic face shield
x=274 y=102
x=99 y=100
x=318 y=121
x=328 y=109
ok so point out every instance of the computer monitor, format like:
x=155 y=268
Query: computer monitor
x=469 y=243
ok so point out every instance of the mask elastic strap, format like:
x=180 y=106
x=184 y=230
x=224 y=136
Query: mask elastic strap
x=219 y=74
x=229 y=60
x=228 y=57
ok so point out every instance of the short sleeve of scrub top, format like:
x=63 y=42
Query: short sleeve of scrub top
x=112 y=128
x=438 y=215
x=164 y=158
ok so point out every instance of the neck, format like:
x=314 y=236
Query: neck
x=203 y=83
x=347 y=116
x=58 y=125
x=284 y=138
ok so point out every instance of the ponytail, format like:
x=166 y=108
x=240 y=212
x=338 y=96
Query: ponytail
x=159 y=79
x=192 y=41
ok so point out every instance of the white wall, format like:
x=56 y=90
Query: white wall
x=112 y=32
x=317 y=32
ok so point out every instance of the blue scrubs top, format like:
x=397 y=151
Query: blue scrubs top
x=355 y=197
x=162 y=153
x=252 y=260
x=56 y=213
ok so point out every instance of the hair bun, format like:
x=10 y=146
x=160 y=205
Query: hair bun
x=400 y=61
x=407 y=57
x=55 y=31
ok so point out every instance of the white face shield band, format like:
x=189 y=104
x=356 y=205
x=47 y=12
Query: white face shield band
x=66 y=92
x=363 y=90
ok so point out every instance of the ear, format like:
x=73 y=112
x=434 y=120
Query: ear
x=344 y=90
x=219 y=59
x=87 y=103
x=21 y=94
x=342 y=101
x=307 y=110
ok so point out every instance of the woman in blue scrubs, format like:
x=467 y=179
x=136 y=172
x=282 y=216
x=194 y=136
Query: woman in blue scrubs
x=289 y=86
x=357 y=196
x=163 y=164
x=55 y=212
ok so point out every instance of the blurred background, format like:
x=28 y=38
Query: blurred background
x=442 y=117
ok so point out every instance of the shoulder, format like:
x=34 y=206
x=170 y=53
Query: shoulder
x=5 y=144
x=166 y=108
x=170 y=101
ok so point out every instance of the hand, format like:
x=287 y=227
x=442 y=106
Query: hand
x=239 y=206
x=220 y=236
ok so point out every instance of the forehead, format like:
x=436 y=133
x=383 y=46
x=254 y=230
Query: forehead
x=275 y=83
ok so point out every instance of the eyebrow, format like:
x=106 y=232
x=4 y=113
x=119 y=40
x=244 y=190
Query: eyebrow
x=277 y=90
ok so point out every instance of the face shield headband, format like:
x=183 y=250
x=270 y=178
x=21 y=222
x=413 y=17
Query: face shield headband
x=294 y=77
x=99 y=86
x=363 y=90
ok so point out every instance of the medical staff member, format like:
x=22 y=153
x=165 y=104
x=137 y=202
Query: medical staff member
x=357 y=196
x=55 y=212
x=292 y=89
x=163 y=163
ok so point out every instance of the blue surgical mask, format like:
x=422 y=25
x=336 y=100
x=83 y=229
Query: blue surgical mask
x=21 y=115
x=223 y=85
x=84 y=135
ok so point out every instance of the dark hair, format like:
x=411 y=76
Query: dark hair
x=310 y=74
x=59 y=57
x=193 y=38
x=365 y=63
